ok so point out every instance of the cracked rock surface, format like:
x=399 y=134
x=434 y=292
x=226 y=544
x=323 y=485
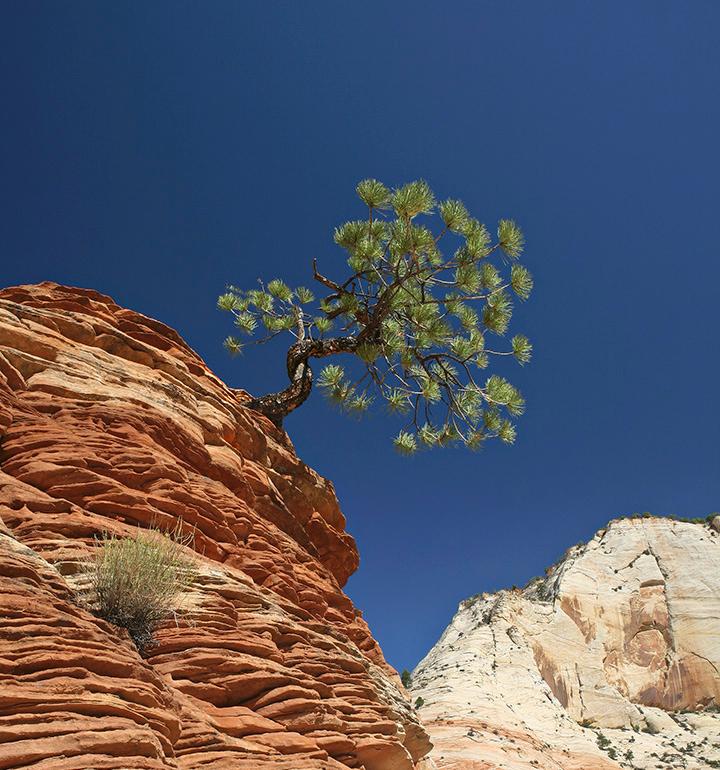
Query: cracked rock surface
x=612 y=660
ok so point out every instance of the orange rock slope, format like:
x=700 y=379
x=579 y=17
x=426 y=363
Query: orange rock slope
x=108 y=421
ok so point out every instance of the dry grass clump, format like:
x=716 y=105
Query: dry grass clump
x=137 y=582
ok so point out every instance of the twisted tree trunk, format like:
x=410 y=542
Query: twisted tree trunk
x=278 y=405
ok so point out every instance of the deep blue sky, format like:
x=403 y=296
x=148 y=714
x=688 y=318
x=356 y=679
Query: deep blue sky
x=157 y=150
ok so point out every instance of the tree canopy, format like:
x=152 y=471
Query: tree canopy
x=427 y=291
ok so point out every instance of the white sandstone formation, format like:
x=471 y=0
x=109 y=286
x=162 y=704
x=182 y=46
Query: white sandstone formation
x=612 y=660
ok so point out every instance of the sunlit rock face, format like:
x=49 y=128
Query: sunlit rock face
x=109 y=421
x=612 y=659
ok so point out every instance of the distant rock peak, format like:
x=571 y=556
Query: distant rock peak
x=611 y=660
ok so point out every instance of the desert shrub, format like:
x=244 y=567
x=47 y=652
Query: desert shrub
x=419 y=702
x=602 y=741
x=136 y=582
x=405 y=678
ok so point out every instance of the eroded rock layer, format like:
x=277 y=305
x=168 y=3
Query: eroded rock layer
x=612 y=660
x=108 y=421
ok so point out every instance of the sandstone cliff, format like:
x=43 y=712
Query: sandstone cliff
x=612 y=660
x=109 y=421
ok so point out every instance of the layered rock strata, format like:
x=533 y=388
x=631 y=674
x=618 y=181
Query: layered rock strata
x=611 y=660
x=109 y=422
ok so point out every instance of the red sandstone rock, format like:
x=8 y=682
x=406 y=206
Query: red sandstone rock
x=108 y=421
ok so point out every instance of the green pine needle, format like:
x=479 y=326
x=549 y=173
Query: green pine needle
x=373 y=193
x=280 y=290
x=489 y=276
x=475 y=439
x=405 y=443
x=477 y=239
x=359 y=404
x=428 y=435
x=323 y=324
x=233 y=345
x=398 y=401
x=247 y=322
x=467 y=278
x=511 y=239
x=227 y=301
x=367 y=352
x=521 y=281
x=506 y=432
x=521 y=348
x=497 y=313
x=412 y=199
x=454 y=215
x=331 y=376
x=304 y=295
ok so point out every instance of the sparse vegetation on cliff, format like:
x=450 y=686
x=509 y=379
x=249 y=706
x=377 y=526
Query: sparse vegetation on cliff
x=414 y=318
x=136 y=582
x=672 y=516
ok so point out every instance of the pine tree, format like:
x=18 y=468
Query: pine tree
x=419 y=321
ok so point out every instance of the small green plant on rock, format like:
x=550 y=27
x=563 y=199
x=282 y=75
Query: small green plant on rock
x=602 y=741
x=405 y=678
x=137 y=582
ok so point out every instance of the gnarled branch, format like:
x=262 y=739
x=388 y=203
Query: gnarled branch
x=277 y=406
